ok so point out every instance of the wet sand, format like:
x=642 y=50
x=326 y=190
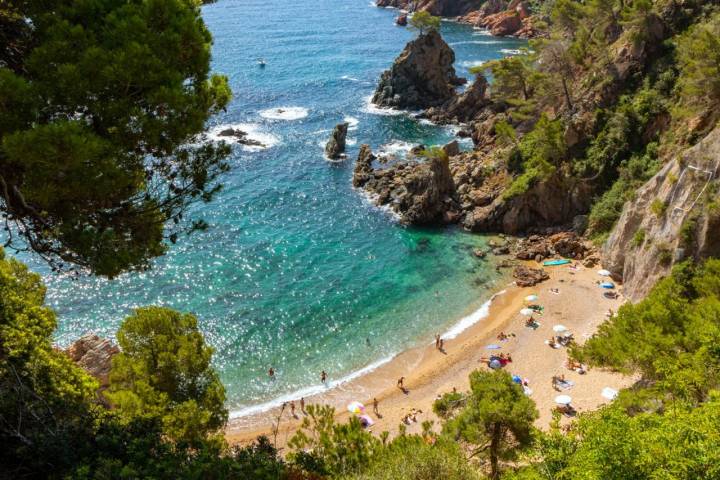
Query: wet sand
x=429 y=373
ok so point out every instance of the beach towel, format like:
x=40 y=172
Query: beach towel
x=565 y=385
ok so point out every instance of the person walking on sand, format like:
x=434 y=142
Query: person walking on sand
x=401 y=383
x=323 y=376
x=292 y=409
x=442 y=345
x=302 y=405
x=375 y=407
x=437 y=341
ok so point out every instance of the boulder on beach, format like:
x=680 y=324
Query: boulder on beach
x=422 y=76
x=402 y=20
x=529 y=277
x=335 y=147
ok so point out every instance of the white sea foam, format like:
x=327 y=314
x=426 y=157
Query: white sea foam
x=352 y=122
x=511 y=51
x=375 y=110
x=396 y=147
x=475 y=42
x=472 y=63
x=349 y=78
x=481 y=32
x=309 y=391
x=284 y=113
x=470 y=320
x=253 y=131
x=351 y=142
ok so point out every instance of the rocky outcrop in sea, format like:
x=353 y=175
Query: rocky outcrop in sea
x=335 y=147
x=421 y=191
x=422 y=76
x=94 y=355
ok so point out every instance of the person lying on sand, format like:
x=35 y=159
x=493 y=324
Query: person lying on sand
x=531 y=322
x=556 y=291
x=566 y=410
x=552 y=343
x=576 y=366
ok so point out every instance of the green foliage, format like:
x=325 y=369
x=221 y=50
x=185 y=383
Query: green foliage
x=164 y=370
x=496 y=419
x=413 y=457
x=658 y=207
x=423 y=22
x=542 y=150
x=323 y=447
x=99 y=147
x=699 y=62
x=638 y=238
x=446 y=406
x=505 y=133
x=513 y=81
x=43 y=392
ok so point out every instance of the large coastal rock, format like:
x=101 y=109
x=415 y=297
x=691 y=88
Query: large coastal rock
x=668 y=220
x=421 y=77
x=464 y=107
x=421 y=192
x=529 y=277
x=335 y=147
x=94 y=354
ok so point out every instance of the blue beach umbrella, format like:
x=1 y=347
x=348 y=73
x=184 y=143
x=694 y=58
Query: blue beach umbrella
x=607 y=285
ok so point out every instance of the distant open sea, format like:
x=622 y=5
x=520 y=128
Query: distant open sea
x=298 y=270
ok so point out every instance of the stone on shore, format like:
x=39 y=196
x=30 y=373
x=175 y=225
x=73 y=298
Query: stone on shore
x=529 y=277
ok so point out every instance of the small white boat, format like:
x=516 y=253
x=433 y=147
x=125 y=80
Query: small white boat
x=261 y=62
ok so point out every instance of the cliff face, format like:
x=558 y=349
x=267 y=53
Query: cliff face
x=94 y=355
x=440 y=8
x=422 y=76
x=673 y=217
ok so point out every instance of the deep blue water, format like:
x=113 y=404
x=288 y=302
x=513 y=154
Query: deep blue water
x=298 y=271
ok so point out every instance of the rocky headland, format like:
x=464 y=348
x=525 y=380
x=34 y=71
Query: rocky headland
x=500 y=17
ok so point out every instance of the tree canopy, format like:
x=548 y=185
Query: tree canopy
x=103 y=102
x=423 y=21
x=164 y=370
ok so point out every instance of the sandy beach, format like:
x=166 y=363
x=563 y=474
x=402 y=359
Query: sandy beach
x=579 y=305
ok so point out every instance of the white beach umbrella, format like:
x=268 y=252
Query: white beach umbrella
x=531 y=298
x=609 y=393
x=604 y=273
x=527 y=311
x=559 y=328
x=563 y=399
x=356 y=407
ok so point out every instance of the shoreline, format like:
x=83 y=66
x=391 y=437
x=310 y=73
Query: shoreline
x=429 y=373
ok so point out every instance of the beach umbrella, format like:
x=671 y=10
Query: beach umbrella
x=563 y=399
x=609 y=393
x=527 y=311
x=493 y=347
x=559 y=328
x=531 y=298
x=366 y=421
x=604 y=273
x=607 y=285
x=356 y=408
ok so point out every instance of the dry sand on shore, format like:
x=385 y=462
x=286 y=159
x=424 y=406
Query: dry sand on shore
x=428 y=373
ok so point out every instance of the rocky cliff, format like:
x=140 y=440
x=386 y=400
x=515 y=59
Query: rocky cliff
x=439 y=8
x=674 y=216
x=422 y=76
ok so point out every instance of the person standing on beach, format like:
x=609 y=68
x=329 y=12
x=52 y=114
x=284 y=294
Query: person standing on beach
x=437 y=341
x=302 y=405
x=292 y=409
x=441 y=347
x=323 y=376
x=401 y=383
x=375 y=407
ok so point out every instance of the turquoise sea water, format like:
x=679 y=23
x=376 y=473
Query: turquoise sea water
x=298 y=271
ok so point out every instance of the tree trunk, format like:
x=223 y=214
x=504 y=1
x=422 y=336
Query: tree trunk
x=567 y=94
x=495 y=451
